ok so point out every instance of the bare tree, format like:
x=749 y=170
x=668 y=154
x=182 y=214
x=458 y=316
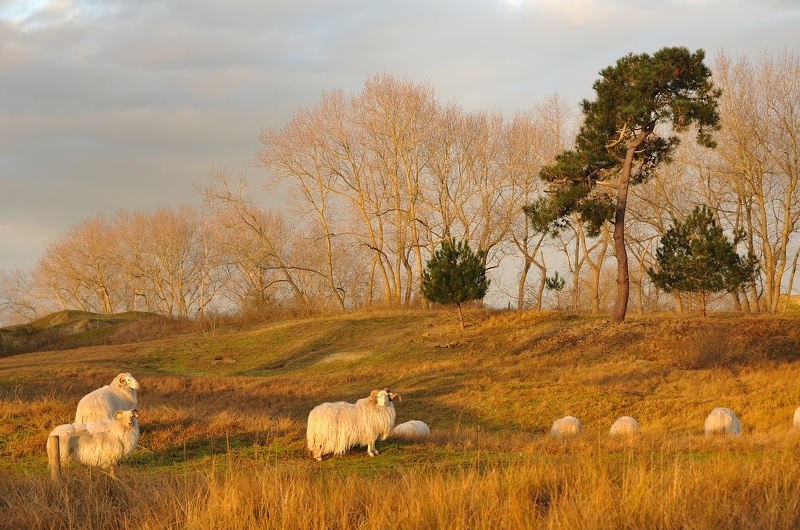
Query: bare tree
x=759 y=157
x=79 y=269
x=254 y=239
x=20 y=298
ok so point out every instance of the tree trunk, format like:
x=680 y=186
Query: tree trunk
x=623 y=281
x=523 y=277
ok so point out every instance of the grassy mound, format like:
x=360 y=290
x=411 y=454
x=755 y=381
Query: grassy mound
x=69 y=329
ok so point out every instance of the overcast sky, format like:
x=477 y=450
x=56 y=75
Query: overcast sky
x=109 y=104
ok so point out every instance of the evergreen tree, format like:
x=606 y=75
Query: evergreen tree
x=619 y=143
x=455 y=275
x=696 y=256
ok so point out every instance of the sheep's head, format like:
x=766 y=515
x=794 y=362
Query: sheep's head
x=127 y=417
x=126 y=380
x=383 y=397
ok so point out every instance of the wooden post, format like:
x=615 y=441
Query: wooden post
x=54 y=457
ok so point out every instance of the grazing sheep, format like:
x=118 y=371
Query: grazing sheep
x=336 y=427
x=722 y=421
x=100 y=443
x=412 y=429
x=625 y=426
x=101 y=404
x=796 y=422
x=566 y=427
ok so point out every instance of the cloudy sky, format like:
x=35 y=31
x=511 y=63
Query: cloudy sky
x=109 y=104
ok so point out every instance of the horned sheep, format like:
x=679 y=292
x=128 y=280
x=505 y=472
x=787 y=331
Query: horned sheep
x=101 y=404
x=98 y=444
x=333 y=428
x=722 y=421
x=625 y=426
x=412 y=429
x=566 y=427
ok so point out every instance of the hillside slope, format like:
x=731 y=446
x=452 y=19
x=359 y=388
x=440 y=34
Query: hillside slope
x=508 y=371
x=70 y=329
x=223 y=410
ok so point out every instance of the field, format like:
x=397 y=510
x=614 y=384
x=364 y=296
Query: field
x=223 y=409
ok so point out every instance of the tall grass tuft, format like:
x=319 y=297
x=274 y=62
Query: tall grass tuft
x=624 y=489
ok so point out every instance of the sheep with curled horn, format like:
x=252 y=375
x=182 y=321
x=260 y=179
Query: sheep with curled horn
x=101 y=404
x=334 y=428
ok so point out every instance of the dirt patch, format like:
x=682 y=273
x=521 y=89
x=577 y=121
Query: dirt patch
x=344 y=356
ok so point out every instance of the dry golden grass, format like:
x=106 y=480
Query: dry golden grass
x=223 y=425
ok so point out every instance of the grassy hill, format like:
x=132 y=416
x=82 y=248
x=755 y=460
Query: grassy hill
x=71 y=329
x=223 y=412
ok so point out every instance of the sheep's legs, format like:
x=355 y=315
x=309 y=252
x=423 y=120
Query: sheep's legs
x=371 y=451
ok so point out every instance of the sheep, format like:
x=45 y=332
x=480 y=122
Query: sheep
x=625 y=426
x=336 y=427
x=722 y=421
x=566 y=427
x=796 y=421
x=99 y=444
x=412 y=429
x=100 y=404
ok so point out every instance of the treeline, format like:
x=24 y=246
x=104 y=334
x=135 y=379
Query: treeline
x=376 y=180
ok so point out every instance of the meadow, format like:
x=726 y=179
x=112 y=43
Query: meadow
x=223 y=409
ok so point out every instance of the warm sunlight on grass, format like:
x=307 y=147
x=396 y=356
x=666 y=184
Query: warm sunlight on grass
x=223 y=425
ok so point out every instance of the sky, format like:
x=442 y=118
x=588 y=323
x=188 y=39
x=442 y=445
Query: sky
x=130 y=104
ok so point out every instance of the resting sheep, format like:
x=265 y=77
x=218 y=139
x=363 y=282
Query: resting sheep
x=566 y=427
x=412 y=429
x=722 y=421
x=96 y=444
x=101 y=404
x=336 y=427
x=625 y=426
x=796 y=421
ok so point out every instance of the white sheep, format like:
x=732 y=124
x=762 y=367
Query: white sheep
x=101 y=404
x=412 y=429
x=566 y=427
x=722 y=421
x=336 y=427
x=99 y=444
x=625 y=426
x=796 y=421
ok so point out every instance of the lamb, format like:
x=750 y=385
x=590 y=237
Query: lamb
x=722 y=421
x=336 y=427
x=625 y=426
x=566 y=427
x=99 y=444
x=101 y=404
x=796 y=421
x=412 y=429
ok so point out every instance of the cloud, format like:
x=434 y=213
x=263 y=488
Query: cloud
x=112 y=104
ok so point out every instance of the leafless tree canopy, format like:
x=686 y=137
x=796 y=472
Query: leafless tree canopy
x=377 y=179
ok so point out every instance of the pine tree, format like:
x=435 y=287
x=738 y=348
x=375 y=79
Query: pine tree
x=696 y=256
x=621 y=143
x=455 y=275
